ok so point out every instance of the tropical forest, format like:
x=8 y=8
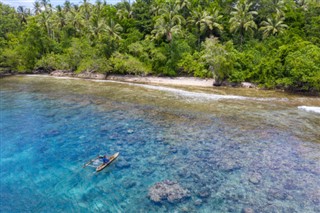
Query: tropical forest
x=272 y=43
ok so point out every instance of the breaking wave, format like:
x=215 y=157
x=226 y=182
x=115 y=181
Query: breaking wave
x=310 y=109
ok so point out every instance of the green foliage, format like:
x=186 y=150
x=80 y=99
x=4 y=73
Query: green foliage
x=100 y=65
x=242 y=19
x=174 y=51
x=131 y=37
x=53 y=62
x=154 y=57
x=79 y=50
x=126 y=64
x=142 y=12
x=302 y=68
x=9 y=58
x=9 y=22
x=169 y=38
x=219 y=58
x=193 y=65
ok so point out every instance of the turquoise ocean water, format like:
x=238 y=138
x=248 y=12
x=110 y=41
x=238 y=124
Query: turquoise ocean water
x=242 y=152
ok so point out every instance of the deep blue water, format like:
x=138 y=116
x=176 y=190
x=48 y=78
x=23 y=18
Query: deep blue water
x=45 y=140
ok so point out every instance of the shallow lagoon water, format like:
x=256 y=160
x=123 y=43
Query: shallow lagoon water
x=241 y=148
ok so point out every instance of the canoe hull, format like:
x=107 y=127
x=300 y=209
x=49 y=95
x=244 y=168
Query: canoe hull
x=104 y=165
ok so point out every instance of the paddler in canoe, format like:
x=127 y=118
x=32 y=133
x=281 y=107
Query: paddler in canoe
x=106 y=161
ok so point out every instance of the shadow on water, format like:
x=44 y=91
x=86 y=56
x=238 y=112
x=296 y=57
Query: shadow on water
x=231 y=150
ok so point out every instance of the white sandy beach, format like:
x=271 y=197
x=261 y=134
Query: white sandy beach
x=179 y=81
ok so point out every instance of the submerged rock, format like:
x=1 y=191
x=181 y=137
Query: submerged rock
x=129 y=184
x=198 y=202
x=123 y=164
x=255 y=178
x=169 y=191
x=229 y=165
x=52 y=133
x=204 y=193
x=247 y=210
x=277 y=194
x=290 y=185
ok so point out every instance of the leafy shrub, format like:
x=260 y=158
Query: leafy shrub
x=127 y=64
x=80 y=49
x=219 y=58
x=53 y=62
x=101 y=65
x=192 y=65
x=302 y=68
x=9 y=58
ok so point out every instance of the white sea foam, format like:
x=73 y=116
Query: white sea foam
x=194 y=95
x=310 y=108
x=205 y=96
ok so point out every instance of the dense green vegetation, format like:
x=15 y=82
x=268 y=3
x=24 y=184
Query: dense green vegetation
x=274 y=43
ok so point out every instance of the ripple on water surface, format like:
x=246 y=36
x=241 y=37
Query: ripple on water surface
x=229 y=155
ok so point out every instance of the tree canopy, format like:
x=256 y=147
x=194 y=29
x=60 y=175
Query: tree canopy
x=275 y=44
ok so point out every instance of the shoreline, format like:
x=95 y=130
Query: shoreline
x=169 y=81
x=173 y=81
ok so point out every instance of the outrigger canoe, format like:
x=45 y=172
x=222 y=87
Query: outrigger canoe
x=104 y=165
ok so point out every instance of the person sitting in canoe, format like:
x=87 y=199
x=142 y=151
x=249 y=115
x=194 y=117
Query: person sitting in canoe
x=105 y=160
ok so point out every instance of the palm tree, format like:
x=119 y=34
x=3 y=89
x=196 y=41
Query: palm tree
x=67 y=6
x=184 y=6
x=273 y=25
x=113 y=29
x=97 y=26
x=36 y=8
x=98 y=9
x=23 y=13
x=156 y=7
x=125 y=10
x=303 y=4
x=242 y=19
x=85 y=9
x=169 y=22
x=45 y=4
x=278 y=5
x=203 y=21
x=75 y=18
x=45 y=21
x=61 y=18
